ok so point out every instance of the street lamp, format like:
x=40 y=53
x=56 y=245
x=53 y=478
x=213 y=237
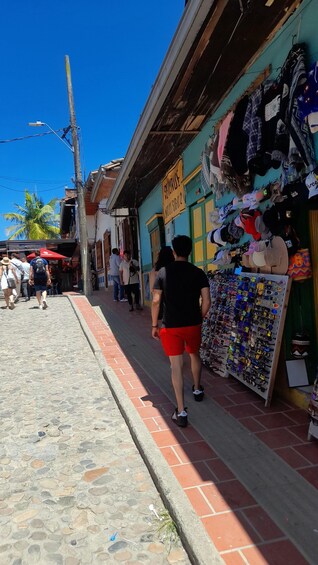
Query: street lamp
x=86 y=271
x=40 y=124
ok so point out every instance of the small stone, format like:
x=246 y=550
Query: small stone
x=35 y=552
x=146 y=538
x=90 y=476
x=123 y=556
x=176 y=555
x=67 y=531
x=66 y=500
x=55 y=558
x=156 y=548
x=38 y=536
x=73 y=542
x=51 y=546
x=117 y=546
x=5 y=547
x=37 y=523
x=5 y=461
x=41 y=434
x=21 y=545
x=25 y=516
x=72 y=561
x=37 y=464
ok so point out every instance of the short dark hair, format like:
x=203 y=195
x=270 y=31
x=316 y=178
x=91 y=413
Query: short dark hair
x=127 y=252
x=182 y=245
x=115 y=251
x=37 y=252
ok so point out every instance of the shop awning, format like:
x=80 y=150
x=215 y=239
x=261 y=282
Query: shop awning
x=216 y=41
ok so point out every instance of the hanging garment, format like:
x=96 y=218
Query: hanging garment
x=293 y=78
x=252 y=125
x=223 y=131
x=237 y=139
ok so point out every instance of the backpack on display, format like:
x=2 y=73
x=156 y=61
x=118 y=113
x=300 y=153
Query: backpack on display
x=39 y=266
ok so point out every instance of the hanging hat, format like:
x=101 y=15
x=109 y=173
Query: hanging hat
x=248 y=218
x=214 y=236
x=235 y=231
x=5 y=261
x=296 y=194
x=274 y=256
x=237 y=203
x=261 y=228
x=312 y=184
x=308 y=99
x=238 y=222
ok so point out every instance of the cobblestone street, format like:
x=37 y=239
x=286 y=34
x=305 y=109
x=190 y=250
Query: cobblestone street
x=73 y=487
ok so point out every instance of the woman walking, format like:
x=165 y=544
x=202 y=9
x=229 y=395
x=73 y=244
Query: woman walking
x=9 y=281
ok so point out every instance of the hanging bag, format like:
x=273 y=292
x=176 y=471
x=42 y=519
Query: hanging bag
x=300 y=265
x=10 y=282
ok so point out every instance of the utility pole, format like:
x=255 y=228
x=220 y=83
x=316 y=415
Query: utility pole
x=86 y=268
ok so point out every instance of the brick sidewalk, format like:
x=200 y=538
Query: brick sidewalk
x=239 y=526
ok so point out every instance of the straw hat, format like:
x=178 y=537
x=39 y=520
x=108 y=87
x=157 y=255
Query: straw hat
x=5 y=261
x=273 y=257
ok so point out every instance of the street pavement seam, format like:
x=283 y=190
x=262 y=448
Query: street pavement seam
x=197 y=543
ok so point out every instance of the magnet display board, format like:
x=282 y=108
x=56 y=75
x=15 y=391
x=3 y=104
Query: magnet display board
x=249 y=332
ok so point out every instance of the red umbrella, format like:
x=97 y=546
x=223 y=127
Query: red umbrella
x=47 y=254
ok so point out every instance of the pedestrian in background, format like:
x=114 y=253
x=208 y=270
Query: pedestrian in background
x=165 y=256
x=184 y=290
x=26 y=290
x=129 y=277
x=114 y=264
x=8 y=280
x=40 y=278
x=15 y=260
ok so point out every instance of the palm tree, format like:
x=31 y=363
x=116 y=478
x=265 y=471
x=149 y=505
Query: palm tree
x=34 y=220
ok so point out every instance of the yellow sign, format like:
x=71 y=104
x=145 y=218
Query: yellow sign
x=173 y=195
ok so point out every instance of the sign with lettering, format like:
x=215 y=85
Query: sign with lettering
x=173 y=195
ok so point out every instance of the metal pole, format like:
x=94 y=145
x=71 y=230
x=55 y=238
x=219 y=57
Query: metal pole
x=86 y=271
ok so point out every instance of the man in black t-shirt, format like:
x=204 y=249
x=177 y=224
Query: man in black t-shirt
x=185 y=294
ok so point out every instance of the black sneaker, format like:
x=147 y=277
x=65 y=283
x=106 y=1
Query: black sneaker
x=180 y=419
x=198 y=394
x=131 y=309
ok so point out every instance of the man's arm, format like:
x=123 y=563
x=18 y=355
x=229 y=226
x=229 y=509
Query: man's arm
x=48 y=274
x=31 y=275
x=205 y=301
x=155 y=306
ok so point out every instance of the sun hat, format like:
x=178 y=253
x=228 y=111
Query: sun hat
x=273 y=256
x=235 y=231
x=5 y=261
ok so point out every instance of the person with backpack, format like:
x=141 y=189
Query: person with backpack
x=40 y=278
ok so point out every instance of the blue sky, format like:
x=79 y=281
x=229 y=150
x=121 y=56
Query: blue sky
x=115 y=47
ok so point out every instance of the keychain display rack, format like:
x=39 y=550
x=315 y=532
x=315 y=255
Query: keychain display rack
x=217 y=325
x=243 y=332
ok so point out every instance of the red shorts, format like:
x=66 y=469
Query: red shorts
x=176 y=340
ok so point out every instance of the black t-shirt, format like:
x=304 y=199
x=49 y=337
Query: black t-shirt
x=181 y=284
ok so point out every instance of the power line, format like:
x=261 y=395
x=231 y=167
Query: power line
x=44 y=190
x=28 y=136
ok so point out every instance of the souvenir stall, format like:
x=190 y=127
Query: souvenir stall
x=261 y=248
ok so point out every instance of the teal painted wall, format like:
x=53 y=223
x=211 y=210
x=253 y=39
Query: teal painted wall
x=151 y=205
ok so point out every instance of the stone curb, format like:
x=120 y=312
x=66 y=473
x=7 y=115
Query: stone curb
x=200 y=548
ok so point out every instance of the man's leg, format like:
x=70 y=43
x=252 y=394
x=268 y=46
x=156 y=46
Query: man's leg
x=116 y=287
x=38 y=296
x=129 y=296
x=176 y=362
x=196 y=366
x=136 y=292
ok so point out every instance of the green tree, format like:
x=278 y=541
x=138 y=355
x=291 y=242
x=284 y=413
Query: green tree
x=34 y=220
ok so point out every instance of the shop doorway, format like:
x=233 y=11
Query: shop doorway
x=203 y=252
